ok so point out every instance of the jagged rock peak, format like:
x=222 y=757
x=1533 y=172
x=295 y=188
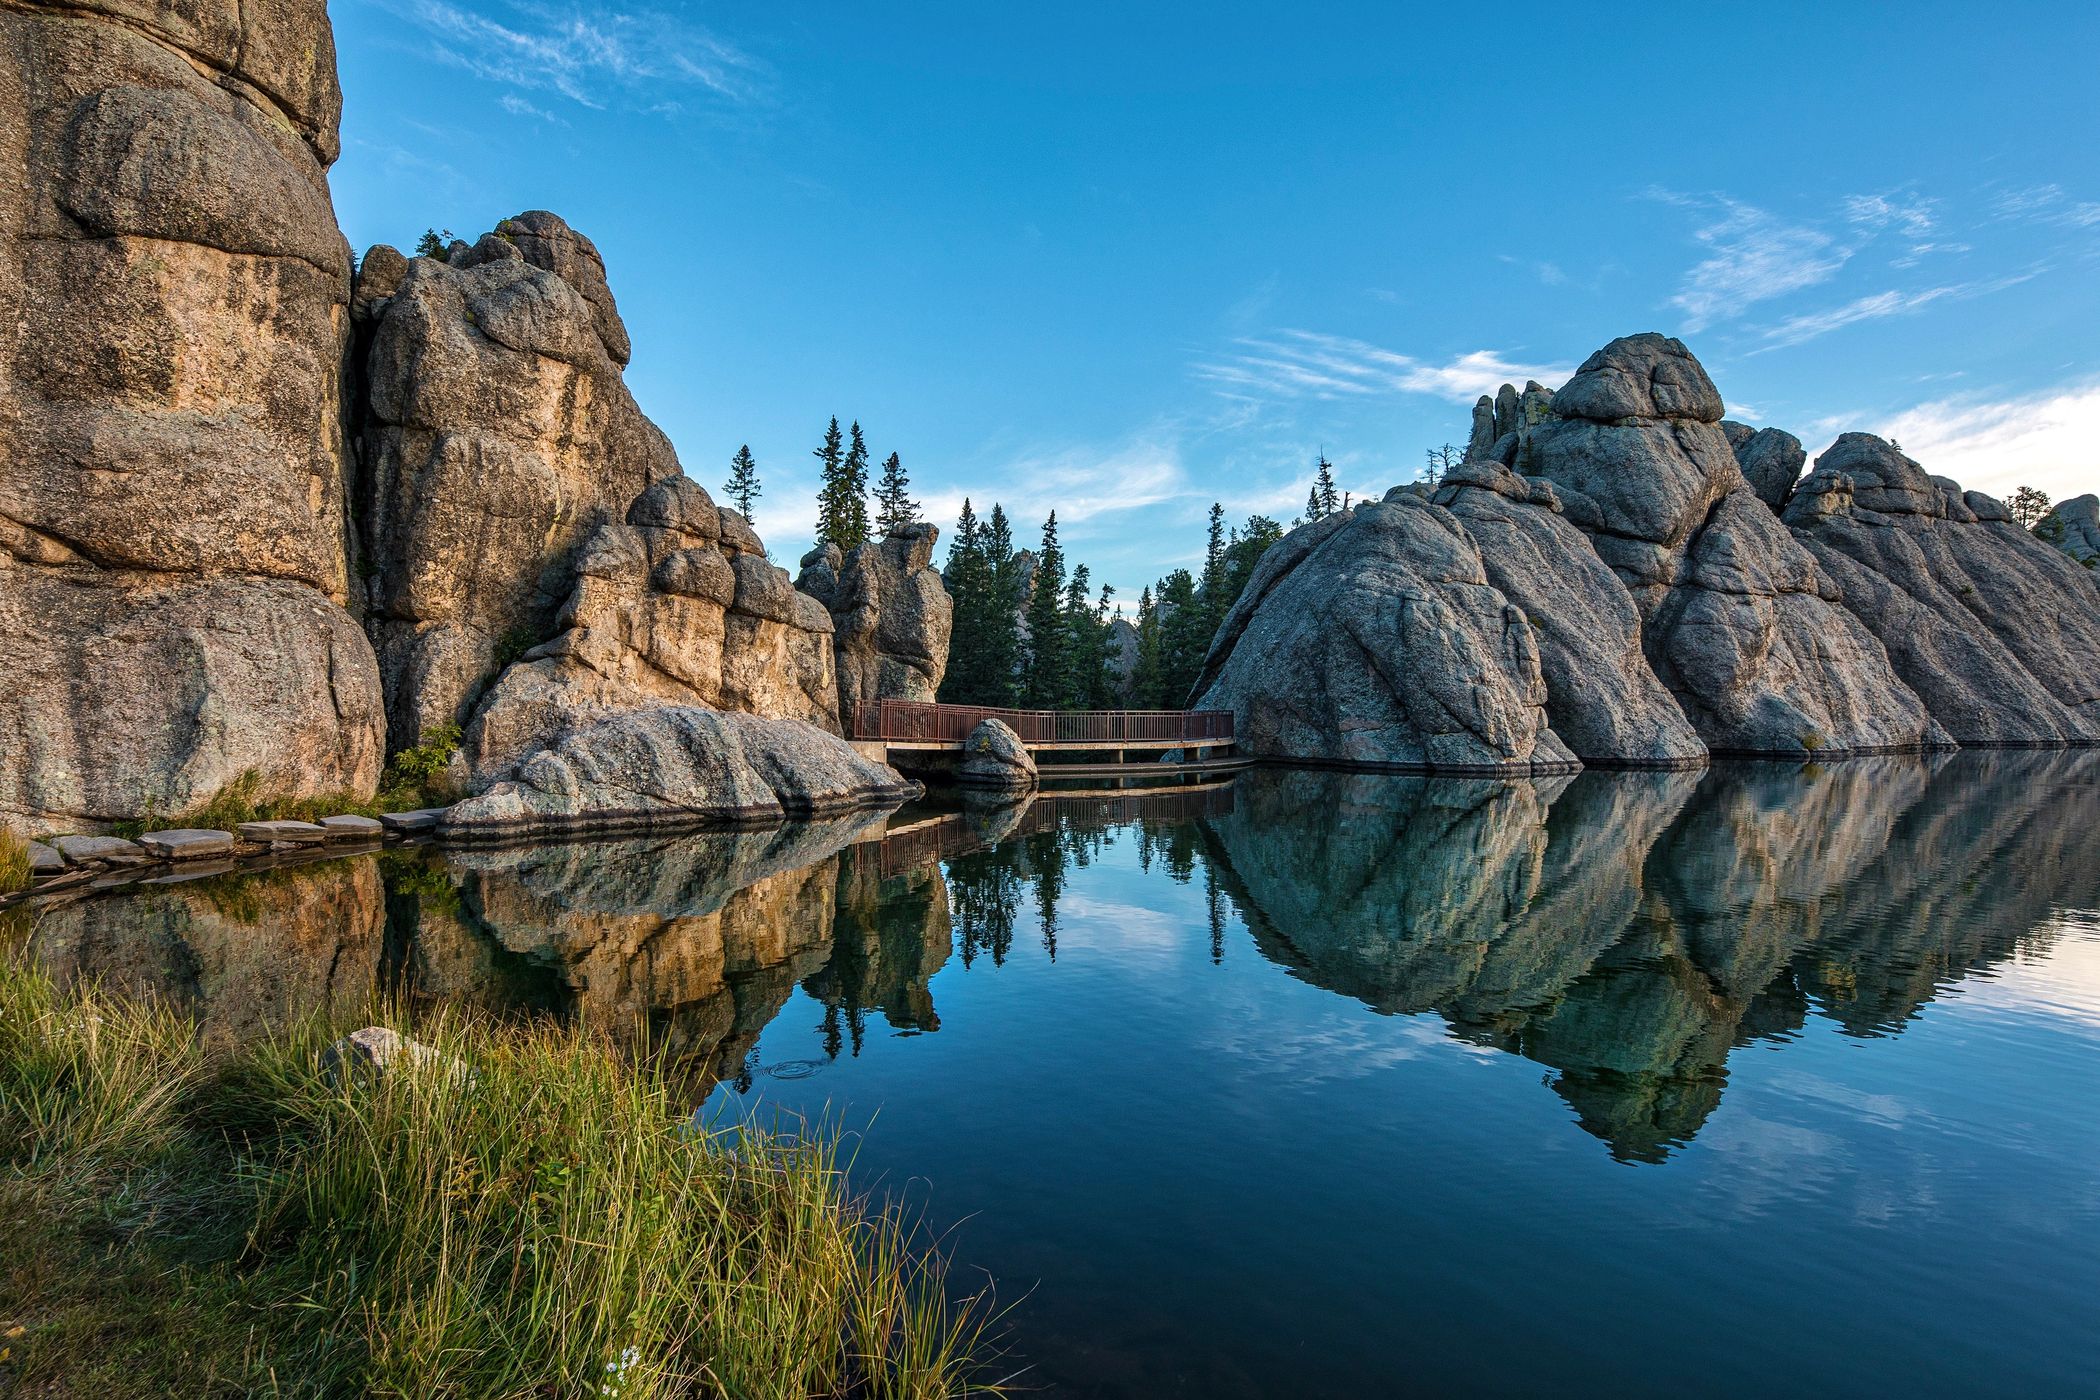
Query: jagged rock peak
x=1502 y=424
x=1771 y=460
x=1644 y=376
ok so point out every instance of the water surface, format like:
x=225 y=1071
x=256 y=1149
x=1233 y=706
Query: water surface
x=1761 y=1080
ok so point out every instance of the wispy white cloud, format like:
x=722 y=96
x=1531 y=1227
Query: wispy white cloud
x=1808 y=325
x=2043 y=439
x=1297 y=364
x=1910 y=215
x=592 y=55
x=519 y=107
x=1752 y=256
x=2047 y=204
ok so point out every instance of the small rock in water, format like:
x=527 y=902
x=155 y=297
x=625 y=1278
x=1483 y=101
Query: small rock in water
x=99 y=850
x=290 y=833
x=412 y=823
x=187 y=843
x=351 y=828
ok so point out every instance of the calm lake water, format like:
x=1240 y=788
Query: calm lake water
x=1740 y=1083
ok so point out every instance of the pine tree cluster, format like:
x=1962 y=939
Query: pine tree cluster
x=1024 y=634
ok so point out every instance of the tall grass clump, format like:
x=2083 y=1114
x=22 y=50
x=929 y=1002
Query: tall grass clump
x=14 y=862
x=527 y=1213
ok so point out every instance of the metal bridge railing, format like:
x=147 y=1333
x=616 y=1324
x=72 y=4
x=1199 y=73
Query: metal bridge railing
x=911 y=721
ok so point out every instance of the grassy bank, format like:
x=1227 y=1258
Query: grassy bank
x=177 y=1219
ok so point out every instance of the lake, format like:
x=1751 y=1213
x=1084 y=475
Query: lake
x=1755 y=1081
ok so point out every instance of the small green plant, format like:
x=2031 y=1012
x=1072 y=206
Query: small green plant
x=514 y=643
x=1813 y=740
x=416 y=777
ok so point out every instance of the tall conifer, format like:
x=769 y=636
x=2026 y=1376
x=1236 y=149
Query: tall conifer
x=1048 y=675
x=742 y=486
x=894 y=507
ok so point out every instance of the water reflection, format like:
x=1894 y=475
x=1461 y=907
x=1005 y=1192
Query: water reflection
x=1626 y=931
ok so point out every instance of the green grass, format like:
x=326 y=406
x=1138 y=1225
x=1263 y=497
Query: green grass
x=178 y=1218
x=415 y=777
x=14 y=862
x=243 y=800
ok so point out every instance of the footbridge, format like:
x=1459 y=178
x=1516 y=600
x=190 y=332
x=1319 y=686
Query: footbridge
x=1077 y=743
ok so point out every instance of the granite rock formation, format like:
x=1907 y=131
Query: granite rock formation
x=1373 y=637
x=890 y=615
x=172 y=574
x=672 y=606
x=666 y=767
x=1736 y=618
x=1992 y=627
x=497 y=435
x=2074 y=527
x=1683 y=588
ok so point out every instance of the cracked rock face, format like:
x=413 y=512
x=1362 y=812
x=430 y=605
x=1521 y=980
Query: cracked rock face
x=497 y=436
x=173 y=585
x=668 y=608
x=1737 y=619
x=892 y=617
x=1991 y=626
x=1374 y=637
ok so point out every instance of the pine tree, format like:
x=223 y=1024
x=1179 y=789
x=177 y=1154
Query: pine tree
x=432 y=244
x=1145 y=675
x=1102 y=677
x=834 y=515
x=1002 y=628
x=969 y=587
x=1082 y=642
x=1249 y=543
x=742 y=486
x=1048 y=670
x=894 y=507
x=1312 y=505
x=1183 y=638
x=854 y=476
x=1323 y=487
x=1210 y=587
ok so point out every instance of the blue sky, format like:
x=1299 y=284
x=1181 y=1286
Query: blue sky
x=1126 y=260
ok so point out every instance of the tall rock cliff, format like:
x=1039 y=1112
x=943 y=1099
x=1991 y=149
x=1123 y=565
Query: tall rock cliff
x=173 y=581
x=891 y=617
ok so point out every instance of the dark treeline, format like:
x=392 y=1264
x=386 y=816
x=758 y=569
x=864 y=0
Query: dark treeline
x=1025 y=633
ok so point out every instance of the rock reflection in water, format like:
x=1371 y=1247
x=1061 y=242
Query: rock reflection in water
x=1627 y=930
x=1630 y=930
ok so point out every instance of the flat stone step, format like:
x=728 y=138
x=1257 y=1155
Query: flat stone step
x=349 y=827
x=188 y=843
x=297 y=833
x=43 y=860
x=423 y=819
x=100 y=850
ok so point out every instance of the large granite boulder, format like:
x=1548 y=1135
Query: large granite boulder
x=673 y=766
x=994 y=757
x=1374 y=637
x=496 y=437
x=172 y=577
x=1993 y=627
x=1737 y=619
x=2074 y=527
x=1770 y=458
x=668 y=608
x=890 y=614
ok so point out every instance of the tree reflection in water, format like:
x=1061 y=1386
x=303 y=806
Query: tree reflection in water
x=1628 y=931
